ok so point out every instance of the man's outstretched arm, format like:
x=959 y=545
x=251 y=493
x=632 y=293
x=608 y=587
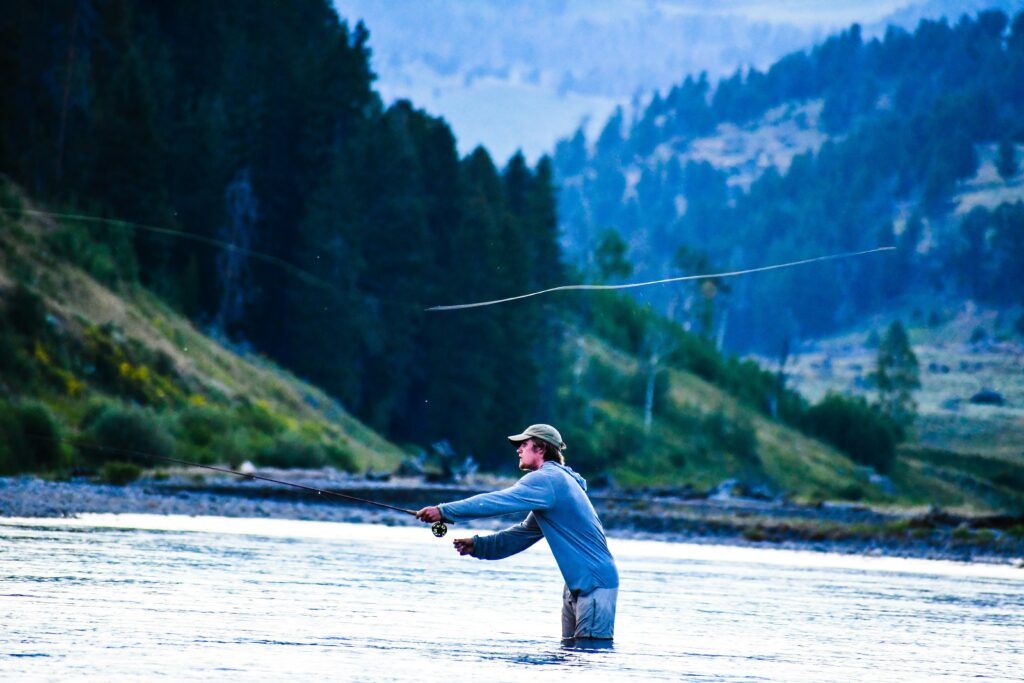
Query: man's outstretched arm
x=505 y=543
x=529 y=493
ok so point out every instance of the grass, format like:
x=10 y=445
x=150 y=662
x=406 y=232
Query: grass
x=680 y=449
x=952 y=369
x=127 y=346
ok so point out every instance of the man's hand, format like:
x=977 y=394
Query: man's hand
x=429 y=514
x=464 y=545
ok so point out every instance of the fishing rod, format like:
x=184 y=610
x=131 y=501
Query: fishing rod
x=438 y=528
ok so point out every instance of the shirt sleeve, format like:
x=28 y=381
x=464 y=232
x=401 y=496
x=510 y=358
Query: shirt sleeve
x=532 y=492
x=508 y=542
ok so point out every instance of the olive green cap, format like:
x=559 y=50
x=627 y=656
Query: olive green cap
x=542 y=432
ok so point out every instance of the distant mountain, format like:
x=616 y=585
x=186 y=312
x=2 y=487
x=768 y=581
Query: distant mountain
x=519 y=75
x=856 y=143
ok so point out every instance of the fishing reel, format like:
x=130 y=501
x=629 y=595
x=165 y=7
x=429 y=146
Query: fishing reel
x=439 y=529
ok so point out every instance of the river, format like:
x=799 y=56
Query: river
x=138 y=597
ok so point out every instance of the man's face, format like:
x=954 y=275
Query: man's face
x=531 y=456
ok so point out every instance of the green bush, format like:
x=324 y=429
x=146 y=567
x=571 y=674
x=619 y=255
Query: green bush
x=853 y=426
x=638 y=390
x=43 y=437
x=17 y=368
x=732 y=436
x=26 y=312
x=258 y=416
x=604 y=380
x=119 y=473
x=104 y=251
x=340 y=457
x=115 y=431
x=593 y=448
x=31 y=439
x=289 y=451
x=201 y=426
x=11 y=440
x=619 y=320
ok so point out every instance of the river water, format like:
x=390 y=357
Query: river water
x=138 y=597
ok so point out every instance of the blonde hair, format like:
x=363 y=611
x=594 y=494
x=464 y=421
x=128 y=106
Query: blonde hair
x=551 y=451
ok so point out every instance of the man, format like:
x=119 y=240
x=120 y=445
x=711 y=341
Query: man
x=560 y=511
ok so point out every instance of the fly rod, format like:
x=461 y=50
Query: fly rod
x=439 y=528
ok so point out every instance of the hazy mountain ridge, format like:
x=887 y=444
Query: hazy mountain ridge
x=852 y=145
x=520 y=75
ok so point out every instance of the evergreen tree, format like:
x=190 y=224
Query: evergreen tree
x=571 y=154
x=897 y=376
x=610 y=262
x=1006 y=159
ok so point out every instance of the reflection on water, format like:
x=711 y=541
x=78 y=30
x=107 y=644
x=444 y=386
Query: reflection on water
x=134 y=597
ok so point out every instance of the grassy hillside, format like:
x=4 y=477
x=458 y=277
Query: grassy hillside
x=960 y=453
x=116 y=367
x=701 y=436
x=86 y=365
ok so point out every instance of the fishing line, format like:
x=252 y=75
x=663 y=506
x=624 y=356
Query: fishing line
x=439 y=529
x=171 y=232
x=706 y=276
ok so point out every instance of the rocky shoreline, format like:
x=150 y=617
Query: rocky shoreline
x=839 y=528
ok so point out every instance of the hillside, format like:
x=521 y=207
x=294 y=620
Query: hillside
x=701 y=437
x=88 y=353
x=320 y=228
x=911 y=139
x=106 y=363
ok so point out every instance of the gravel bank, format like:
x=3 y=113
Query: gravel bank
x=826 y=528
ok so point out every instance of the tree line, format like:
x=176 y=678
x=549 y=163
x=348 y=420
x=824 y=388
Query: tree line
x=256 y=125
x=906 y=116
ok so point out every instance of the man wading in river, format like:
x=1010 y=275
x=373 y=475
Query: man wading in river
x=559 y=511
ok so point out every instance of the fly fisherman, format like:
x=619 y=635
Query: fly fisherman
x=560 y=511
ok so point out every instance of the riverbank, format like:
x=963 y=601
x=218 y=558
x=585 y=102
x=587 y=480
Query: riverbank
x=667 y=516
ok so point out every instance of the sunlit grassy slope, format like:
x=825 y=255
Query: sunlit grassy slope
x=701 y=436
x=125 y=346
x=959 y=453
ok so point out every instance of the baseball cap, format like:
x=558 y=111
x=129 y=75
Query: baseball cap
x=539 y=431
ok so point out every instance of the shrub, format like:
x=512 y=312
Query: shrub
x=638 y=389
x=16 y=366
x=11 y=440
x=117 y=431
x=853 y=426
x=257 y=415
x=119 y=473
x=289 y=451
x=42 y=437
x=732 y=436
x=104 y=251
x=340 y=457
x=604 y=380
x=30 y=439
x=201 y=426
x=26 y=311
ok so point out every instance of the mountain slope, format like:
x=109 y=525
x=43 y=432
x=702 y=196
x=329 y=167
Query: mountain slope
x=93 y=347
x=699 y=435
x=851 y=145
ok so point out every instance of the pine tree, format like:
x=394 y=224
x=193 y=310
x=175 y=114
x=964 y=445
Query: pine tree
x=610 y=262
x=897 y=376
x=1006 y=159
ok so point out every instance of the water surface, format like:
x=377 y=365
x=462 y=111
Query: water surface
x=132 y=597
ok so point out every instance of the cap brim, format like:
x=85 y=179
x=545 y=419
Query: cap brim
x=518 y=438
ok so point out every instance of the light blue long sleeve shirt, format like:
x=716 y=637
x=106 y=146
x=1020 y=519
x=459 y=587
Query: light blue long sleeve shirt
x=560 y=511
